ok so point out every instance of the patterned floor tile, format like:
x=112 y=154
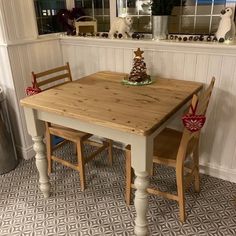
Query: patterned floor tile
x=101 y=210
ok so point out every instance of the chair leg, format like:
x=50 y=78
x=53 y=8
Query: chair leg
x=128 y=177
x=181 y=197
x=74 y=149
x=152 y=170
x=49 y=151
x=110 y=153
x=81 y=165
x=196 y=172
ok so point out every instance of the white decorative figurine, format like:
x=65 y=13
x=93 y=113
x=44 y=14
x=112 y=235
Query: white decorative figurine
x=226 y=29
x=121 y=27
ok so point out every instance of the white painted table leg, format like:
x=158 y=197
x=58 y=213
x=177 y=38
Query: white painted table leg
x=141 y=203
x=41 y=164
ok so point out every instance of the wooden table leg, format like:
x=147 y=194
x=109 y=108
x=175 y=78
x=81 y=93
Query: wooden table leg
x=41 y=164
x=141 y=161
x=141 y=203
x=36 y=129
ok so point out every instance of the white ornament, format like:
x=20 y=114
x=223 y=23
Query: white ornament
x=226 y=29
x=121 y=26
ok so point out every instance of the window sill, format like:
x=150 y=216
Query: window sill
x=149 y=44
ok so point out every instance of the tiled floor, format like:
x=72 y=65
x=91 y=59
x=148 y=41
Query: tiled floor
x=101 y=209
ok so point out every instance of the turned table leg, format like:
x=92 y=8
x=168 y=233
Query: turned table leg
x=41 y=164
x=141 y=161
x=36 y=129
x=141 y=203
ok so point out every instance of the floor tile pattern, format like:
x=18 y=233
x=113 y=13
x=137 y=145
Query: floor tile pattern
x=101 y=210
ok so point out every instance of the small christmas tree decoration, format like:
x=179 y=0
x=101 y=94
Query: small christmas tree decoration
x=138 y=74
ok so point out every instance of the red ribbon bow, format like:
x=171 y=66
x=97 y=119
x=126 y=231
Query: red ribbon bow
x=34 y=89
x=193 y=122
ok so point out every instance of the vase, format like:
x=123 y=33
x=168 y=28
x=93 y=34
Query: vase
x=159 y=27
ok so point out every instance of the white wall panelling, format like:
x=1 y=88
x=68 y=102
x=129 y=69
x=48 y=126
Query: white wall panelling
x=22 y=59
x=197 y=62
x=18 y=21
x=22 y=52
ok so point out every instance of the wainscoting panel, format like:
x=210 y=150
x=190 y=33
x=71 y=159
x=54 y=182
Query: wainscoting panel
x=119 y=53
x=23 y=59
x=18 y=21
x=191 y=62
x=101 y=57
x=127 y=59
x=178 y=65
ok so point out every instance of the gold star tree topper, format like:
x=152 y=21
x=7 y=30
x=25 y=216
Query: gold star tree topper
x=138 y=53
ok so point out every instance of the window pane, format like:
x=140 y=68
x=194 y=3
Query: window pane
x=173 y=24
x=107 y=11
x=140 y=10
x=103 y=23
x=99 y=9
x=121 y=8
x=88 y=11
x=218 y=6
x=189 y=7
x=46 y=11
x=187 y=25
x=87 y=4
x=144 y=7
x=142 y=24
x=215 y=24
x=204 y=7
x=202 y=25
x=106 y=3
x=198 y=16
x=79 y=3
x=132 y=8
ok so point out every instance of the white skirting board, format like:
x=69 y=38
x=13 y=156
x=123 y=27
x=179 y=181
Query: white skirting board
x=25 y=153
x=218 y=172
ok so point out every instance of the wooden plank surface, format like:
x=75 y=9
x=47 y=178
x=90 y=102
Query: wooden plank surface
x=102 y=99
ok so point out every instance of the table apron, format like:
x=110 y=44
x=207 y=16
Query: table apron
x=87 y=127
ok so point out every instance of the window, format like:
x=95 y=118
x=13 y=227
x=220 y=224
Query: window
x=197 y=16
x=190 y=17
x=46 y=11
x=140 y=10
x=98 y=9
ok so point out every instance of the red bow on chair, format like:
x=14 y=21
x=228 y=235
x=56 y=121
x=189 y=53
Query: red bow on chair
x=193 y=122
x=34 y=89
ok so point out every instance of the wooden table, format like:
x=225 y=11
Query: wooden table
x=101 y=105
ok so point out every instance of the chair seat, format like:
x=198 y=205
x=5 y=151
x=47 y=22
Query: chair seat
x=166 y=146
x=68 y=134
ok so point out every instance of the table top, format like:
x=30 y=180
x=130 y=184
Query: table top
x=102 y=99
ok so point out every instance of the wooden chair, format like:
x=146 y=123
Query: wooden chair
x=179 y=150
x=51 y=78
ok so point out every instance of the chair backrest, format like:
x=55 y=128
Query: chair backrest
x=204 y=98
x=53 y=77
x=190 y=140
